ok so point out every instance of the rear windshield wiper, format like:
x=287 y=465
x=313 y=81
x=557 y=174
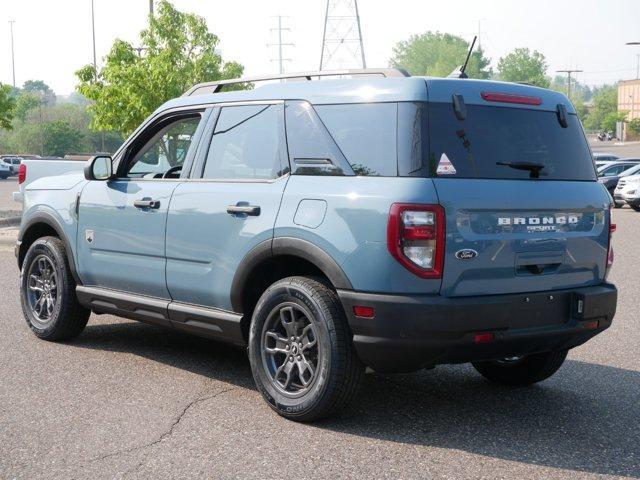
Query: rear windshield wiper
x=533 y=168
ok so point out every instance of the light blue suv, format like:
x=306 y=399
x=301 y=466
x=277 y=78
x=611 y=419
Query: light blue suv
x=380 y=221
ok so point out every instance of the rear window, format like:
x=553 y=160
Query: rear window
x=506 y=143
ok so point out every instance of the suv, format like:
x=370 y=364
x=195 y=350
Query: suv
x=379 y=221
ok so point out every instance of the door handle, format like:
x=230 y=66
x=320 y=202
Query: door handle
x=146 y=203
x=253 y=210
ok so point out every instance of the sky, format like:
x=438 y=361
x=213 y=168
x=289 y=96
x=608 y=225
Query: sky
x=53 y=38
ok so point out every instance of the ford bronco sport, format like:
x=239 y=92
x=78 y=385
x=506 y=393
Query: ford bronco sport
x=380 y=221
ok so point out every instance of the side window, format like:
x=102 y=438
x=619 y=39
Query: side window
x=165 y=150
x=246 y=143
x=612 y=171
x=366 y=135
x=312 y=151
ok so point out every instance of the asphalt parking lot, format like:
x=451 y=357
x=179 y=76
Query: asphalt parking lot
x=127 y=400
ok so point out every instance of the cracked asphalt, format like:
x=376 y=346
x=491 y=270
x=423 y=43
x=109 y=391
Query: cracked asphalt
x=127 y=400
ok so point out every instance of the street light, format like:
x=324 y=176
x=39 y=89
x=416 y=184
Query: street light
x=638 y=61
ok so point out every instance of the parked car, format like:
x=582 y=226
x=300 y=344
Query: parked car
x=626 y=184
x=601 y=158
x=13 y=161
x=33 y=169
x=330 y=226
x=609 y=175
x=5 y=170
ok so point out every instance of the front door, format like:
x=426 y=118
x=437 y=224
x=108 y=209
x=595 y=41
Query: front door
x=230 y=205
x=122 y=222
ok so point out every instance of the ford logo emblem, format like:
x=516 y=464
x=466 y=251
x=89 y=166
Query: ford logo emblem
x=466 y=254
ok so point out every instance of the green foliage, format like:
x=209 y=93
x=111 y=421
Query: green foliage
x=7 y=107
x=609 y=121
x=28 y=134
x=179 y=51
x=579 y=91
x=438 y=54
x=634 y=126
x=605 y=104
x=523 y=66
x=25 y=102
x=60 y=138
x=40 y=90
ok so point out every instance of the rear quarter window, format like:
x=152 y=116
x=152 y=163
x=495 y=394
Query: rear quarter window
x=492 y=140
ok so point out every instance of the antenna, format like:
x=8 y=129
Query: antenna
x=459 y=72
x=342 y=45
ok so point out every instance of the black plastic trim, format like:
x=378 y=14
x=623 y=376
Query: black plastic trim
x=251 y=260
x=409 y=332
x=136 y=307
x=314 y=254
x=52 y=222
x=204 y=321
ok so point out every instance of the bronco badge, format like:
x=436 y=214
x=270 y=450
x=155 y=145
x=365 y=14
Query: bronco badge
x=466 y=254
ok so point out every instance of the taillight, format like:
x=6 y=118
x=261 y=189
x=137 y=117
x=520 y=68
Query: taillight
x=22 y=173
x=610 y=256
x=415 y=237
x=510 y=98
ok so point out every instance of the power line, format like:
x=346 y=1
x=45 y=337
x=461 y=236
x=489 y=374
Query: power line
x=280 y=44
x=569 y=72
x=342 y=44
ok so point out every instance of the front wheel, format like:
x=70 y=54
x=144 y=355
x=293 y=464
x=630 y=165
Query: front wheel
x=47 y=292
x=302 y=358
x=521 y=371
x=636 y=207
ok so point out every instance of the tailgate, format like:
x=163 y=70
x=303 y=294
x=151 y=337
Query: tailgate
x=509 y=236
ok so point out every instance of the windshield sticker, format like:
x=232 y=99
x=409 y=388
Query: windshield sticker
x=445 y=167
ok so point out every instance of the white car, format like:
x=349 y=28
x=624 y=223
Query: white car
x=5 y=171
x=628 y=190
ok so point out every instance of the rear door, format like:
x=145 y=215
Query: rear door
x=524 y=210
x=230 y=204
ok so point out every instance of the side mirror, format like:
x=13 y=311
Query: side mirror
x=99 y=167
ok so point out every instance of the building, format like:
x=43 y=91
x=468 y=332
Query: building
x=629 y=101
x=629 y=98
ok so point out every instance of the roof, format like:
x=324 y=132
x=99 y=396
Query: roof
x=369 y=90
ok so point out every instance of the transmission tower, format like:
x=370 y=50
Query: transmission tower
x=342 y=39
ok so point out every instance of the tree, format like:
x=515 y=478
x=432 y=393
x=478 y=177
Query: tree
x=634 y=126
x=178 y=52
x=7 y=107
x=60 y=138
x=609 y=121
x=579 y=91
x=41 y=90
x=25 y=102
x=523 y=66
x=438 y=54
x=605 y=103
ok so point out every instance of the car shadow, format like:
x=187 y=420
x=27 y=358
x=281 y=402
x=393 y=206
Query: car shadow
x=586 y=418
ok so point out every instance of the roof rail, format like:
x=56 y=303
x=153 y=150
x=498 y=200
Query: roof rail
x=215 y=87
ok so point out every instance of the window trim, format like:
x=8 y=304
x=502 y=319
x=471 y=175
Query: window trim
x=200 y=161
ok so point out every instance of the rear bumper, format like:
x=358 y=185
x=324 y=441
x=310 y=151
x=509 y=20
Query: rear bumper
x=412 y=332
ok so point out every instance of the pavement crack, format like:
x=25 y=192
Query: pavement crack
x=169 y=431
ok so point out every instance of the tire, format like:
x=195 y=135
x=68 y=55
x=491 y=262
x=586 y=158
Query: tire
x=312 y=312
x=63 y=317
x=635 y=207
x=527 y=370
x=618 y=204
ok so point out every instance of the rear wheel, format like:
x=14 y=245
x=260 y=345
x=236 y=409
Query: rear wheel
x=302 y=358
x=521 y=371
x=48 y=292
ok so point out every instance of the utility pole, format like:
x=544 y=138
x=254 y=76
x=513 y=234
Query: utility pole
x=638 y=59
x=93 y=35
x=342 y=44
x=569 y=72
x=151 y=7
x=13 y=61
x=280 y=45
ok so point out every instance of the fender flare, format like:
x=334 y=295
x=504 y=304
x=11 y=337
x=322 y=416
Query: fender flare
x=53 y=222
x=285 y=246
